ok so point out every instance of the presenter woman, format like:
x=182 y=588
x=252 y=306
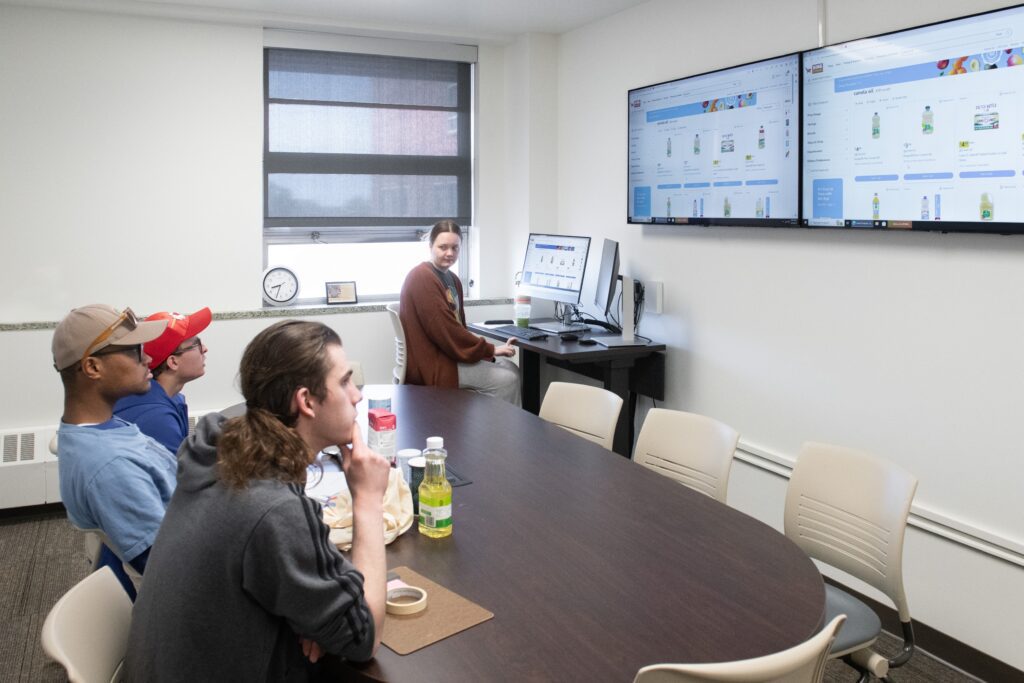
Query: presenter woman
x=440 y=350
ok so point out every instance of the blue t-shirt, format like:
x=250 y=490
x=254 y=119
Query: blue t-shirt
x=162 y=417
x=114 y=478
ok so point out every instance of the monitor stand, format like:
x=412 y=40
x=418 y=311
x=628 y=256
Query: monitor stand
x=628 y=336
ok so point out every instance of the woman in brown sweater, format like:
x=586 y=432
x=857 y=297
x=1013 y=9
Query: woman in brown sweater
x=440 y=350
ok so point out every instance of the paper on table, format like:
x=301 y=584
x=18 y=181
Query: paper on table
x=325 y=487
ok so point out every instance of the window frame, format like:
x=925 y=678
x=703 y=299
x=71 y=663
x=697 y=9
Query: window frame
x=342 y=229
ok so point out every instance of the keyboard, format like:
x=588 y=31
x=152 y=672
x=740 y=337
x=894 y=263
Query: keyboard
x=520 y=332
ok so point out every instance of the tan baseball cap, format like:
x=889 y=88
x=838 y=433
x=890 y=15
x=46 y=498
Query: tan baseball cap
x=88 y=329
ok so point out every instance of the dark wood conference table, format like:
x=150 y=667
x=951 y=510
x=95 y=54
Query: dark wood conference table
x=593 y=565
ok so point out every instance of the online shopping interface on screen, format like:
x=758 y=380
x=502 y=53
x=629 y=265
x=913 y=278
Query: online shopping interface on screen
x=555 y=263
x=917 y=128
x=720 y=147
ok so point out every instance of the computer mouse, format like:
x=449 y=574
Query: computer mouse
x=587 y=342
x=570 y=337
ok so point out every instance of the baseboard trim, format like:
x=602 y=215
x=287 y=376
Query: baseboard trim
x=45 y=510
x=938 y=644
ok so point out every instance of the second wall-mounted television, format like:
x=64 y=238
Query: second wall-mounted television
x=922 y=129
x=719 y=148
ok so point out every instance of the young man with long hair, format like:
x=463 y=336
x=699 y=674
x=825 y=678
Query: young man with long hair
x=242 y=582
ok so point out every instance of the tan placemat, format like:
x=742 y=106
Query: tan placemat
x=446 y=614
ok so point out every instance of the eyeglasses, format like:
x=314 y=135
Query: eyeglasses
x=135 y=350
x=126 y=319
x=197 y=344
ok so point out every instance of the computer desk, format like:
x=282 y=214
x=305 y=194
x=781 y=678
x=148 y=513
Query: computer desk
x=626 y=371
x=593 y=565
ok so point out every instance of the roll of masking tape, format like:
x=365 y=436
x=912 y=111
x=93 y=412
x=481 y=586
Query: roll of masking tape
x=406 y=600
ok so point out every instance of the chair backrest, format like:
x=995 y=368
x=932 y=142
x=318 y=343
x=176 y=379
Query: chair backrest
x=695 y=450
x=93 y=539
x=849 y=509
x=590 y=412
x=86 y=632
x=398 y=374
x=804 y=663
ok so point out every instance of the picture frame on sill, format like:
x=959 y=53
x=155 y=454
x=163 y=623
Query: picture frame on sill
x=341 y=292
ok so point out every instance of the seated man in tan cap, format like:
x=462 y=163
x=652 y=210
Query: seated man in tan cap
x=177 y=357
x=112 y=477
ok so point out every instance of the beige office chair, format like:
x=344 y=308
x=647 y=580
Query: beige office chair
x=398 y=374
x=692 y=449
x=804 y=663
x=93 y=539
x=86 y=632
x=590 y=412
x=849 y=509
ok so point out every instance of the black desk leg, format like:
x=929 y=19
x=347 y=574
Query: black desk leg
x=529 y=367
x=616 y=380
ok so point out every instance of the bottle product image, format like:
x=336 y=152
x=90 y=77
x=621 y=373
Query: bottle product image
x=694 y=208
x=876 y=126
x=668 y=148
x=874 y=207
x=668 y=206
x=696 y=143
x=928 y=121
x=759 y=208
x=767 y=207
x=924 y=208
x=938 y=207
x=726 y=208
x=435 y=493
x=987 y=209
x=760 y=138
x=702 y=207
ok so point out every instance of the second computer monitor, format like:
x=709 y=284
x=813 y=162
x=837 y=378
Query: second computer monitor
x=607 y=278
x=554 y=266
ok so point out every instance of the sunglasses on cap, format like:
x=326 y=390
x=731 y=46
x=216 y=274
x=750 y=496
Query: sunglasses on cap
x=127 y=320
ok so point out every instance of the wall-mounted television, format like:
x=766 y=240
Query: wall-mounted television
x=719 y=148
x=921 y=129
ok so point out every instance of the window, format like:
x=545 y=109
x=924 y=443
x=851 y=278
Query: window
x=362 y=154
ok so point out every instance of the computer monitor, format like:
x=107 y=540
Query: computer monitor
x=554 y=266
x=607 y=278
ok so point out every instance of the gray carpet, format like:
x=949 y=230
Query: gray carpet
x=42 y=556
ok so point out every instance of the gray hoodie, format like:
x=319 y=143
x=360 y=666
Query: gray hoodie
x=236 y=576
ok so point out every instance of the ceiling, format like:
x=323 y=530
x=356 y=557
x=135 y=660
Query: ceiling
x=494 y=20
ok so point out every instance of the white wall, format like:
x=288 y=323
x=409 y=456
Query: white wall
x=131 y=163
x=131 y=174
x=901 y=344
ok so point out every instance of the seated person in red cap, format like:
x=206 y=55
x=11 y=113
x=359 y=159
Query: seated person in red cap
x=178 y=357
x=112 y=476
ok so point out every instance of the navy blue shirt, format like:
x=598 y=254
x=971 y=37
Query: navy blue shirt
x=159 y=416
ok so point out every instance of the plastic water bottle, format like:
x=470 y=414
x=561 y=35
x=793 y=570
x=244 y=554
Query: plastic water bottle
x=522 y=310
x=435 y=492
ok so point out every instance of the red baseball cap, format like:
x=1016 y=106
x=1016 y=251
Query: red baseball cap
x=179 y=328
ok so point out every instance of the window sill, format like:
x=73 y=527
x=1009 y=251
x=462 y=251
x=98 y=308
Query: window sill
x=272 y=312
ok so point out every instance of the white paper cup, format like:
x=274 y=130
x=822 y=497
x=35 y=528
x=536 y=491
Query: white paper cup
x=404 y=456
x=378 y=397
